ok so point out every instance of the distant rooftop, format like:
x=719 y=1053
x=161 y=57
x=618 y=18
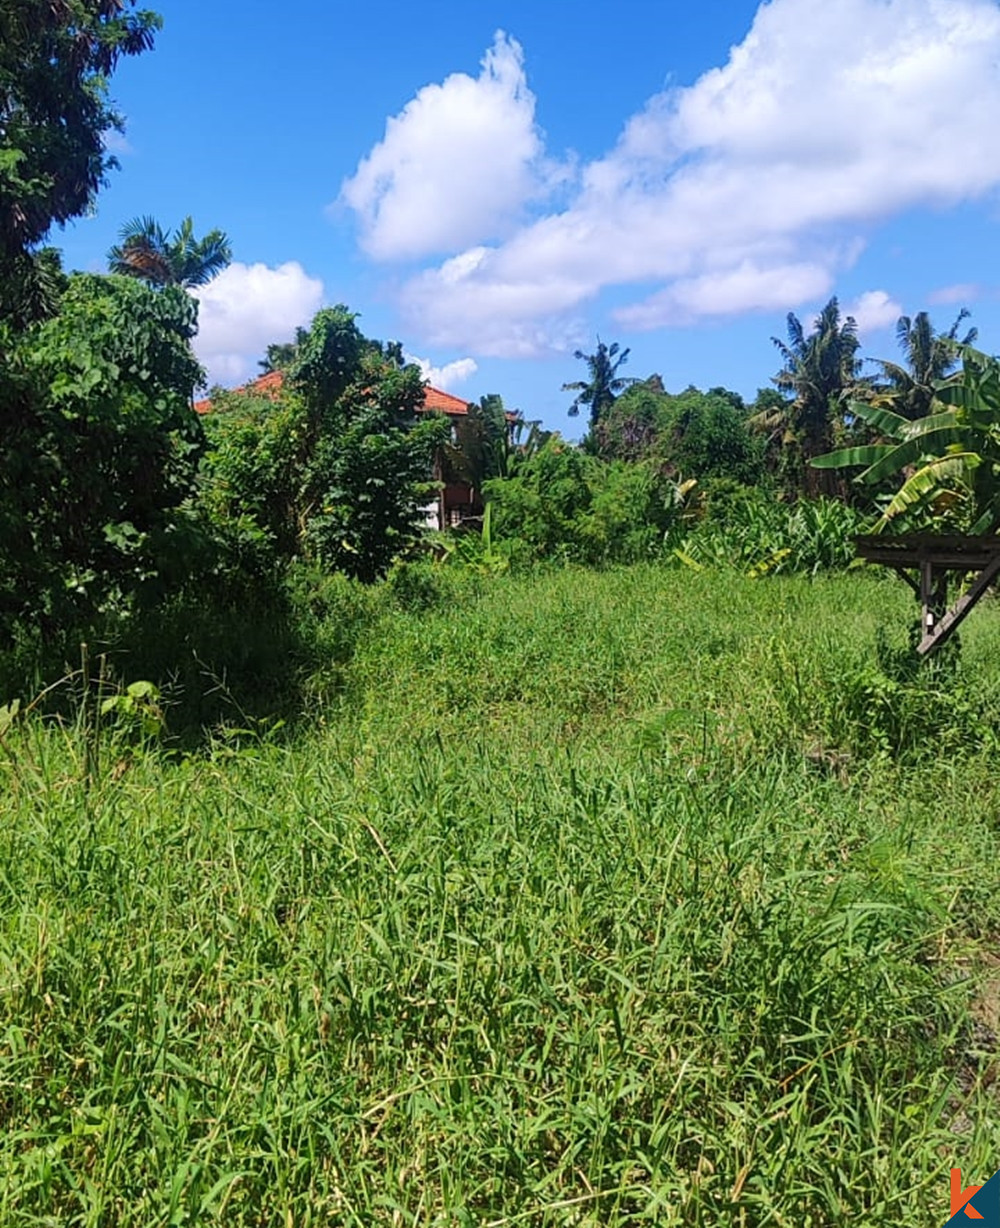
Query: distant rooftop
x=269 y=385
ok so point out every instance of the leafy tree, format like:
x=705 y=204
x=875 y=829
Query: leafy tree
x=927 y=358
x=560 y=502
x=55 y=60
x=599 y=391
x=693 y=433
x=629 y=430
x=99 y=450
x=338 y=471
x=34 y=288
x=705 y=435
x=949 y=460
x=819 y=369
x=147 y=252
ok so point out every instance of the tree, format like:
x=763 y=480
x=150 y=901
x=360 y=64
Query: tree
x=99 y=449
x=928 y=357
x=147 y=252
x=482 y=445
x=819 y=369
x=55 y=59
x=693 y=433
x=600 y=390
x=949 y=460
x=339 y=470
x=282 y=354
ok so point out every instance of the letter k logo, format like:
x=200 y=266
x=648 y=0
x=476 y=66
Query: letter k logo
x=960 y=1197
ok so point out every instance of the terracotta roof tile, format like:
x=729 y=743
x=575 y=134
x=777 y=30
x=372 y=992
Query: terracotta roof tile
x=444 y=402
x=269 y=385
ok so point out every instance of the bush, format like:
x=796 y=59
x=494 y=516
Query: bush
x=564 y=504
x=749 y=529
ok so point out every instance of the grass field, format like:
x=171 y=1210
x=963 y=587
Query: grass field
x=636 y=897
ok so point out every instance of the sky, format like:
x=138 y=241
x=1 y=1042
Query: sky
x=498 y=183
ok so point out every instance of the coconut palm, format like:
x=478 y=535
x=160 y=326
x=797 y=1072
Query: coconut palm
x=928 y=358
x=604 y=385
x=818 y=371
x=147 y=252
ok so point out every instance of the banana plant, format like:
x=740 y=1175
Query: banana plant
x=949 y=460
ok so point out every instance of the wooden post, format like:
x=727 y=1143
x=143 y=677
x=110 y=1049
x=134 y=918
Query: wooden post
x=936 y=635
x=927 y=611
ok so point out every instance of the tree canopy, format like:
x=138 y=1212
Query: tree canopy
x=339 y=469
x=55 y=59
x=148 y=253
x=98 y=447
x=603 y=384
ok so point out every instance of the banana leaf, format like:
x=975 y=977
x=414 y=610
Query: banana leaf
x=926 y=482
x=881 y=419
x=866 y=454
x=910 y=452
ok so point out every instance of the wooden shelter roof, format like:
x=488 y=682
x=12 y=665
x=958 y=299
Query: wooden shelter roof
x=949 y=550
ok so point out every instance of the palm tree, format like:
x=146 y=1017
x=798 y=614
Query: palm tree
x=282 y=354
x=818 y=370
x=604 y=385
x=928 y=358
x=146 y=251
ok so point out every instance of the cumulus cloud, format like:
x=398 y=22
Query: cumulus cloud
x=447 y=376
x=245 y=309
x=873 y=310
x=456 y=166
x=750 y=286
x=751 y=189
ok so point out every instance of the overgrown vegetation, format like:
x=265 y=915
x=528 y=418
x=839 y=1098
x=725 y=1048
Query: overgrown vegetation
x=593 y=899
x=613 y=860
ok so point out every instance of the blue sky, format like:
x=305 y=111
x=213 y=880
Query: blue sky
x=495 y=183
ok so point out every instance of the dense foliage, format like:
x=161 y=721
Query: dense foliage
x=693 y=434
x=99 y=449
x=338 y=467
x=55 y=59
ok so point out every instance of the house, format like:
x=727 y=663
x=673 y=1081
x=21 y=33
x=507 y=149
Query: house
x=457 y=501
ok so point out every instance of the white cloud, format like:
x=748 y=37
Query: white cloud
x=447 y=376
x=873 y=310
x=245 y=309
x=751 y=189
x=961 y=293
x=456 y=166
x=749 y=287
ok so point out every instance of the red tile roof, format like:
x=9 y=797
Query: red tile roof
x=269 y=385
x=444 y=402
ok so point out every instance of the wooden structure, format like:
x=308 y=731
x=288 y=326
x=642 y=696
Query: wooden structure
x=936 y=559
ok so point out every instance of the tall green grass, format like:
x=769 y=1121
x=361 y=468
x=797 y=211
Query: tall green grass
x=589 y=899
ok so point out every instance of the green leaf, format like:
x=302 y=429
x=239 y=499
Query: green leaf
x=867 y=454
x=927 y=482
x=7 y=714
x=881 y=419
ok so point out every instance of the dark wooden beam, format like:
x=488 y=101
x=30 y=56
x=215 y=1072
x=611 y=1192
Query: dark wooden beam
x=937 y=633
